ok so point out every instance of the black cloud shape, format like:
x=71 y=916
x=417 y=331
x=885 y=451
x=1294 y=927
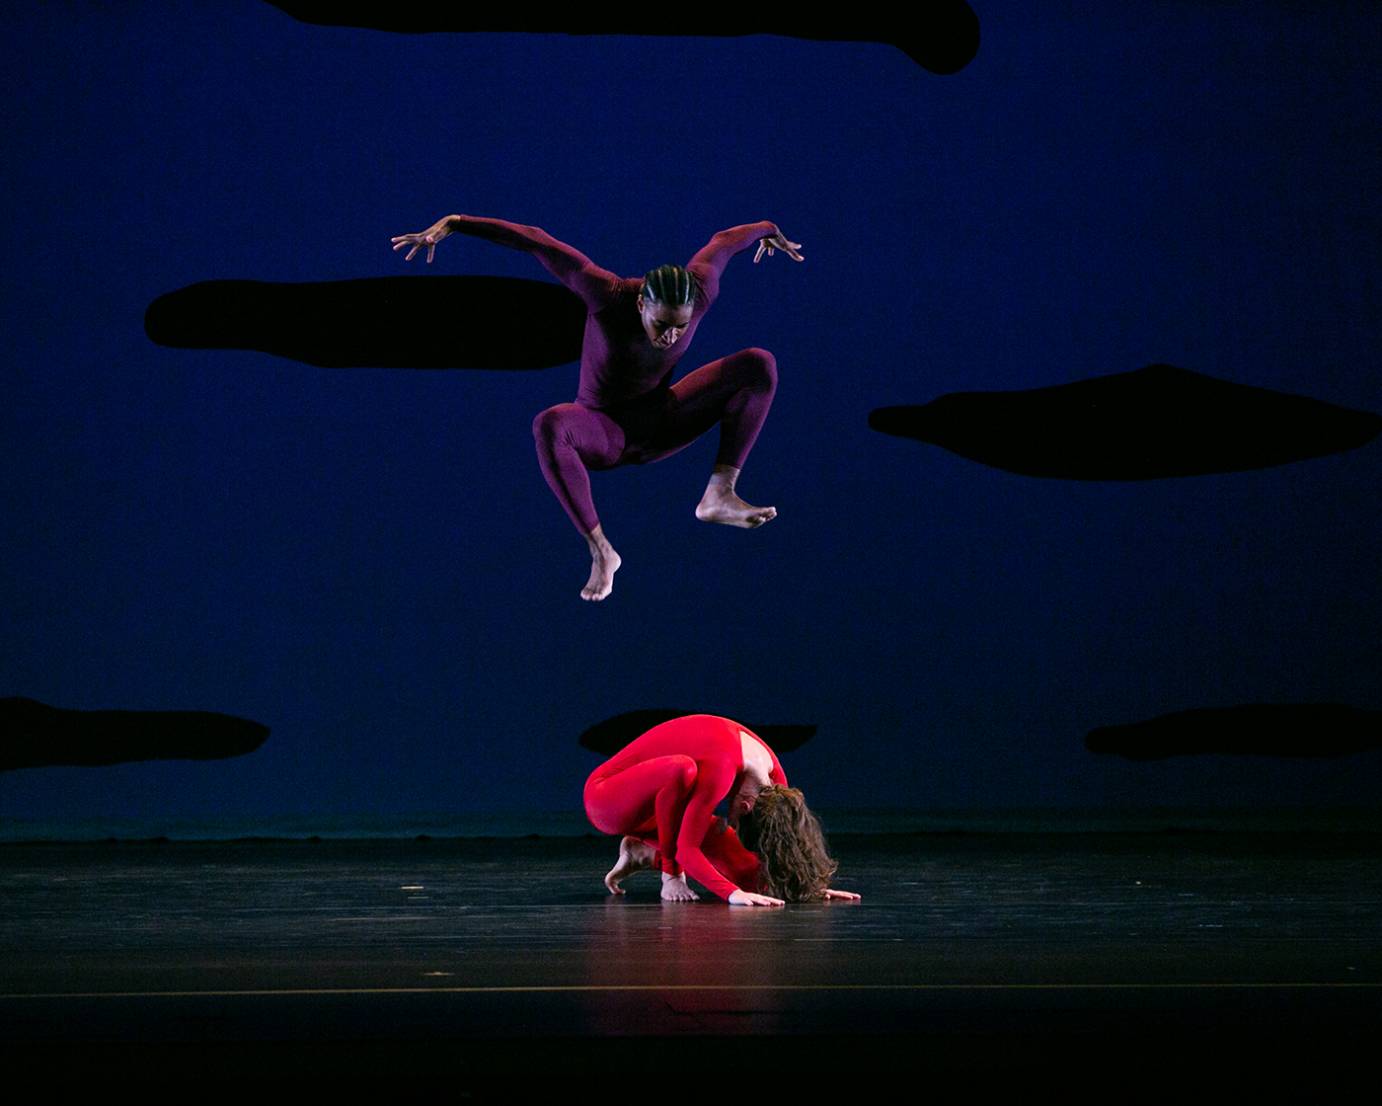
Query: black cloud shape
x=941 y=36
x=465 y=322
x=1156 y=422
x=37 y=735
x=612 y=734
x=1254 y=729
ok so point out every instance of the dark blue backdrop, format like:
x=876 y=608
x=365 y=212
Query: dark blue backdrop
x=369 y=560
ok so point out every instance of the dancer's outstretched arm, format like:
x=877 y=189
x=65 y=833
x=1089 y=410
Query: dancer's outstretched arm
x=711 y=259
x=593 y=284
x=713 y=780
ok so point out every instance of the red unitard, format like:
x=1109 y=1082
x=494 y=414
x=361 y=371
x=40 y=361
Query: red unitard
x=663 y=788
x=627 y=411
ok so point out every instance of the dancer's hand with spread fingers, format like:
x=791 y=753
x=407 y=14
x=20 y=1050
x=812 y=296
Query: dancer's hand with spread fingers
x=778 y=242
x=429 y=238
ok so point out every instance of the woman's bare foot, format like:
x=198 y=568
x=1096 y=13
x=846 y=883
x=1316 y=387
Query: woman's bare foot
x=634 y=856
x=674 y=889
x=604 y=563
x=602 y=570
x=730 y=510
x=720 y=503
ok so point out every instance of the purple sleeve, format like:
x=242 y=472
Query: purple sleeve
x=711 y=259
x=595 y=286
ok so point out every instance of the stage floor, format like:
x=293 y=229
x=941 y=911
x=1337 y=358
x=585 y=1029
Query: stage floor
x=1104 y=965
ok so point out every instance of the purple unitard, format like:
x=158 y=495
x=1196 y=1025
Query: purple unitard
x=626 y=411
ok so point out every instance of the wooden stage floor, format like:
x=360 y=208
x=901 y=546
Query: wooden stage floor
x=1110 y=966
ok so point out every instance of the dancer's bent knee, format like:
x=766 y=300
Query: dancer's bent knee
x=553 y=425
x=758 y=368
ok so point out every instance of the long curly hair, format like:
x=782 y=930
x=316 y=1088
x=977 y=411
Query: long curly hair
x=793 y=863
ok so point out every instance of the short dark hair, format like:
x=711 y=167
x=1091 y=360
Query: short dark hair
x=669 y=284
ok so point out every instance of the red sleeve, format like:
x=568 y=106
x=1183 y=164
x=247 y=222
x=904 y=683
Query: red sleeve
x=711 y=259
x=595 y=286
x=714 y=777
x=727 y=853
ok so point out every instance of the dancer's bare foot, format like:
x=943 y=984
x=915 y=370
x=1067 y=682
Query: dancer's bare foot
x=674 y=889
x=634 y=856
x=602 y=570
x=727 y=508
x=604 y=563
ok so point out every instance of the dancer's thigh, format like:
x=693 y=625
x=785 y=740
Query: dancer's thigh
x=699 y=400
x=689 y=408
x=597 y=439
x=626 y=802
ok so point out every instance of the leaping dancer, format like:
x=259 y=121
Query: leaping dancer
x=627 y=411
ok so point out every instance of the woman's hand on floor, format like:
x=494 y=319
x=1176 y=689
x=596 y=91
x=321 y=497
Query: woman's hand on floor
x=748 y=898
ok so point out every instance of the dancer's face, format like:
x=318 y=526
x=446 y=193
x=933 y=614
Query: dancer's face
x=741 y=802
x=663 y=324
